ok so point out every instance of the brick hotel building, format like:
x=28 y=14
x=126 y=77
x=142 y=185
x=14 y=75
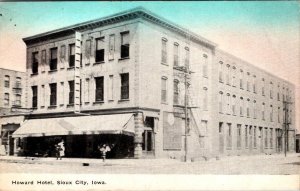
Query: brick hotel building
x=123 y=80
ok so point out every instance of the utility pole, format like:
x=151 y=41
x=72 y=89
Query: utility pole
x=286 y=124
x=186 y=114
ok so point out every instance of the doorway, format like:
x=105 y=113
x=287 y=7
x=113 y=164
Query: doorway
x=148 y=137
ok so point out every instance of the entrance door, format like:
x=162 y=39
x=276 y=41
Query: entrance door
x=221 y=138
x=11 y=145
x=148 y=146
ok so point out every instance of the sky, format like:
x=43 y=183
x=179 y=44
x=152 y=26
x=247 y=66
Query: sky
x=265 y=34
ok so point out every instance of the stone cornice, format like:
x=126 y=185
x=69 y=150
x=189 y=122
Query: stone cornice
x=120 y=17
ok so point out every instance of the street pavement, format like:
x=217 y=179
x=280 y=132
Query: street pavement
x=276 y=164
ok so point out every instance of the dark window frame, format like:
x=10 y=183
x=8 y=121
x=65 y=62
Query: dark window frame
x=53 y=61
x=99 y=89
x=53 y=94
x=124 y=86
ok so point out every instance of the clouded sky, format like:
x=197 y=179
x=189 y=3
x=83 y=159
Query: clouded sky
x=265 y=34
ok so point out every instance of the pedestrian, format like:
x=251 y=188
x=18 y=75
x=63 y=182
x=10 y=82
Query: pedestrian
x=103 y=150
x=61 y=149
x=57 y=148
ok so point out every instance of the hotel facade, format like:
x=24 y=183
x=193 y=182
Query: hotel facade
x=148 y=88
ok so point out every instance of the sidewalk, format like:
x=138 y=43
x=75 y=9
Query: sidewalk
x=133 y=162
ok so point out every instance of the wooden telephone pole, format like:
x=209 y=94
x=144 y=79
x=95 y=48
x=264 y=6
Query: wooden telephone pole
x=286 y=124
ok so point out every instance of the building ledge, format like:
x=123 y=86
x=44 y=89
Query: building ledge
x=97 y=63
x=98 y=102
x=125 y=58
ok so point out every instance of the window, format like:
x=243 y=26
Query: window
x=271 y=113
x=110 y=87
x=164 y=54
x=18 y=100
x=271 y=137
x=176 y=92
x=263 y=87
x=44 y=61
x=263 y=111
x=125 y=86
x=53 y=59
x=205 y=66
x=111 y=47
x=62 y=93
x=203 y=133
x=164 y=90
x=35 y=63
x=34 y=96
x=234 y=105
x=278 y=93
x=205 y=98
x=53 y=91
x=220 y=71
x=254 y=135
x=187 y=57
x=254 y=84
x=248 y=107
x=71 y=92
x=266 y=137
x=246 y=136
x=6 y=81
x=176 y=54
x=100 y=49
x=239 y=135
x=43 y=96
x=87 y=90
x=71 y=55
x=88 y=48
x=220 y=100
x=6 y=99
x=241 y=106
x=228 y=103
x=254 y=109
x=228 y=74
x=229 y=136
x=233 y=76
x=63 y=51
x=279 y=113
x=125 y=45
x=241 y=79
x=248 y=81
x=99 y=93
x=271 y=90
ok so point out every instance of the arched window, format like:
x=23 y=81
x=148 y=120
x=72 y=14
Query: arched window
x=164 y=89
x=220 y=102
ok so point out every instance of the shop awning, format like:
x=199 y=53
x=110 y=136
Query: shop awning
x=4 y=120
x=81 y=125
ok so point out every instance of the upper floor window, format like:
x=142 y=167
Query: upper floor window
x=100 y=49
x=99 y=93
x=233 y=76
x=241 y=106
x=278 y=93
x=187 y=57
x=248 y=81
x=6 y=99
x=228 y=74
x=241 y=79
x=233 y=105
x=254 y=84
x=71 y=92
x=176 y=92
x=53 y=58
x=35 y=63
x=34 y=96
x=248 y=107
x=88 y=48
x=125 y=44
x=176 y=54
x=205 y=99
x=228 y=100
x=164 y=54
x=18 y=100
x=220 y=71
x=271 y=90
x=271 y=113
x=6 y=81
x=254 y=109
x=220 y=100
x=53 y=93
x=263 y=87
x=111 y=47
x=164 y=89
x=263 y=111
x=71 y=55
x=125 y=86
x=205 y=66
x=278 y=114
x=44 y=60
x=63 y=52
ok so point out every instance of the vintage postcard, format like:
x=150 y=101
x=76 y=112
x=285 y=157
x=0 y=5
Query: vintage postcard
x=149 y=95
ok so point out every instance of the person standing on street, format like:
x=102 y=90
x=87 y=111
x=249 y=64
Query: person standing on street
x=61 y=149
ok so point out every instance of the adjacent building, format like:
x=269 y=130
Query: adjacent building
x=148 y=88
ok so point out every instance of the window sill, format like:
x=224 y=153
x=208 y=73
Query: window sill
x=52 y=107
x=34 y=108
x=70 y=105
x=52 y=71
x=98 y=102
x=164 y=64
x=43 y=72
x=123 y=100
x=125 y=58
x=97 y=63
x=42 y=107
x=110 y=100
x=221 y=82
x=87 y=64
x=204 y=76
x=34 y=74
x=61 y=105
x=71 y=68
x=164 y=103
